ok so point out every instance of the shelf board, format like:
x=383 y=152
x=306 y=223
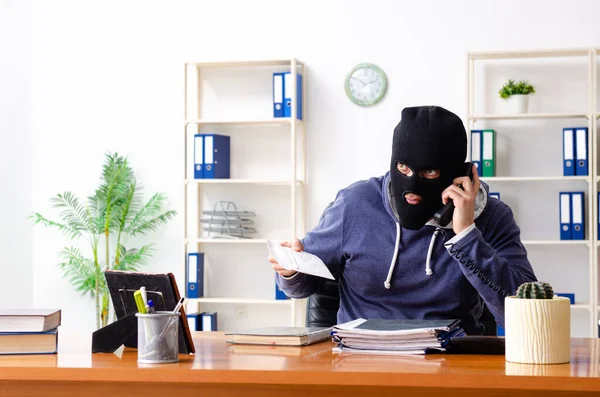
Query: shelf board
x=533 y=178
x=241 y=182
x=555 y=242
x=549 y=53
x=228 y=241
x=271 y=122
x=288 y=302
x=281 y=302
x=581 y=306
x=521 y=116
x=249 y=63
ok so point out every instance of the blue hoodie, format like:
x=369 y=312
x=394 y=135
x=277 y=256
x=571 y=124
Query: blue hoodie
x=386 y=271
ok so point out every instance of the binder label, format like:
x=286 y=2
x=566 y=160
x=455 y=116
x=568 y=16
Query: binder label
x=206 y=323
x=278 y=91
x=565 y=210
x=208 y=149
x=192 y=322
x=193 y=269
x=581 y=145
x=488 y=146
x=577 y=209
x=568 y=146
x=475 y=147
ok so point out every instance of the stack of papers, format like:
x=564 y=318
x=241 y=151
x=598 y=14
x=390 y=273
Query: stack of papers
x=379 y=336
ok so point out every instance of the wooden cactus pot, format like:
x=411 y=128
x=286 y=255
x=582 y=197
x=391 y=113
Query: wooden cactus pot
x=537 y=331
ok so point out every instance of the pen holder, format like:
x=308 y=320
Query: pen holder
x=158 y=338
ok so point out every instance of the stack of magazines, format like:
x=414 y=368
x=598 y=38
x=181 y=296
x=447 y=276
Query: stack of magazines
x=378 y=336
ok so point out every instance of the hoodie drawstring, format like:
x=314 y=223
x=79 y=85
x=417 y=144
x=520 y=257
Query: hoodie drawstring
x=387 y=284
x=428 y=270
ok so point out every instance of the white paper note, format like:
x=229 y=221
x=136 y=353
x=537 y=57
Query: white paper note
x=302 y=262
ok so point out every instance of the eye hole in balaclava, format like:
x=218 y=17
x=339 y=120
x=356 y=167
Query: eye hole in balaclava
x=427 y=138
x=407 y=171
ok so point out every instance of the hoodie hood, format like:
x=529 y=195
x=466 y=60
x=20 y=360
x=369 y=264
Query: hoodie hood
x=386 y=194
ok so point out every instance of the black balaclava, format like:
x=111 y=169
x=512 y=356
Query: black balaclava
x=427 y=138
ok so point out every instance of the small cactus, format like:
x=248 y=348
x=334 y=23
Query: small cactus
x=535 y=290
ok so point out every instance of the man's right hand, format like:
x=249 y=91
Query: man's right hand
x=296 y=246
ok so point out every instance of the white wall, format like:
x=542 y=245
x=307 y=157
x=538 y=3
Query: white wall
x=108 y=75
x=16 y=260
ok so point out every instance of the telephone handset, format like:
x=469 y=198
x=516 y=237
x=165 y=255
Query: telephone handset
x=444 y=215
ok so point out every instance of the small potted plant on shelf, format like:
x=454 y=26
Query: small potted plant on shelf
x=517 y=94
x=537 y=325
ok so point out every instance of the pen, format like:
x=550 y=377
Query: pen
x=151 y=309
x=144 y=295
x=178 y=307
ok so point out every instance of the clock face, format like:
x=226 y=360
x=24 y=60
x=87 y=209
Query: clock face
x=366 y=84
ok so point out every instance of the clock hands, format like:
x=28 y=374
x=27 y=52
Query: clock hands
x=362 y=82
x=356 y=78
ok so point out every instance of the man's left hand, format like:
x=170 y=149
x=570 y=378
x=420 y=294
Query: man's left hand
x=464 y=200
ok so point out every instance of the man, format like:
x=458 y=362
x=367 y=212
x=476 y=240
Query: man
x=392 y=260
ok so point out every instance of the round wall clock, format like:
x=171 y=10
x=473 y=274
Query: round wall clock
x=366 y=84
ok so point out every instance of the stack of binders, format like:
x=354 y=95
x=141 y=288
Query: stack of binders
x=575 y=150
x=211 y=156
x=282 y=95
x=572 y=215
x=483 y=151
x=204 y=321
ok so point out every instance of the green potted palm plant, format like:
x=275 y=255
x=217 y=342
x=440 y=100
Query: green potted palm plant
x=106 y=220
x=517 y=94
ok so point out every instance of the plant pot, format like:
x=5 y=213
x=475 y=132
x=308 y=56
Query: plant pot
x=518 y=103
x=537 y=331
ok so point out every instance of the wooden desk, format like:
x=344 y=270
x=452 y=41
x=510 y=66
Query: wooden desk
x=219 y=369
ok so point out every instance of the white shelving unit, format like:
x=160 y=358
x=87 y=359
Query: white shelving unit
x=274 y=121
x=555 y=242
x=529 y=116
x=238 y=278
x=243 y=182
x=536 y=178
x=232 y=300
x=583 y=59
